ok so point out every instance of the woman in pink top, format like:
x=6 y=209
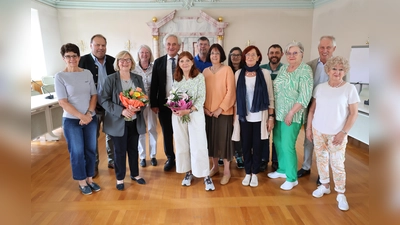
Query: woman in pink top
x=218 y=108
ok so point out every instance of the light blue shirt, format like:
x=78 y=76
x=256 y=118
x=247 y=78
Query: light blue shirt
x=320 y=75
x=102 y=75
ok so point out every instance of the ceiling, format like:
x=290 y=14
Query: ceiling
x=177 y=4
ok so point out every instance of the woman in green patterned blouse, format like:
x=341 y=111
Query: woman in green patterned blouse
x=292 y=89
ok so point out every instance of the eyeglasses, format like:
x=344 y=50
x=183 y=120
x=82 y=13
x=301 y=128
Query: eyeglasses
x=215 y=53
x=70 y=56
x=125 y=60
x=291 y=53
x=235 y=55
x=251 y=55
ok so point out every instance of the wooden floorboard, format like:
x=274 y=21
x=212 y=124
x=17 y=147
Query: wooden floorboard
x=56 y=199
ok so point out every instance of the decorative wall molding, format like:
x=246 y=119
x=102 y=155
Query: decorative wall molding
x=177 y=4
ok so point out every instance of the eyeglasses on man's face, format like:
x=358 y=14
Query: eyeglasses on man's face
x=70 y=56
x=125 y=60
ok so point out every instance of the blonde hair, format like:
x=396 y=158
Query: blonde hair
x=335 y=61
x=119 y=56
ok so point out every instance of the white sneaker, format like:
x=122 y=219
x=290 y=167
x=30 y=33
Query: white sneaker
x=320 y=191
x=275 y=174
x=246 y=180
x=342 y=202
x=289 y=185
x=254 y=181
x=187 y=180
x=209 y=184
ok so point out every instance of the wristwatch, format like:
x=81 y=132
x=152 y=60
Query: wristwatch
x=272 y=115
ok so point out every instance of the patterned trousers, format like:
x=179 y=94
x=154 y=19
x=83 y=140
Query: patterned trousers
x=328 y=154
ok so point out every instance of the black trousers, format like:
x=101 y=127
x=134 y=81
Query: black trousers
x=250 y=136
x=165 y=117
x=128 y=143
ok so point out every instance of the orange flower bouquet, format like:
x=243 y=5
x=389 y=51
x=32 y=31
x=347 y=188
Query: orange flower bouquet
x=136 y=98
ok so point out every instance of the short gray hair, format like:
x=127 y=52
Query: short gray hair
x=332 y=38
x=294 y=44
x=336 y=61
x=171 y=35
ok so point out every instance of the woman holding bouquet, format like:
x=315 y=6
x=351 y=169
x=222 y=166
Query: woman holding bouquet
x=218 y=108
x=124 y=124
x=190 y=134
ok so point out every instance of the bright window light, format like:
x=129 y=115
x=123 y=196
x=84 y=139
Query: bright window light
x=38 y=66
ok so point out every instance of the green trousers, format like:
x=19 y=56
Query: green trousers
x=285 y=142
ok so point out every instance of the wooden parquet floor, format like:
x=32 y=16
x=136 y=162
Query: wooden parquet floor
x=55 y=198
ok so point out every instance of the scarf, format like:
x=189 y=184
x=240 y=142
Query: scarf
x=260 y=98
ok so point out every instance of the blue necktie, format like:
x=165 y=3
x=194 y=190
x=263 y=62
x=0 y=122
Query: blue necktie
x=173 y=67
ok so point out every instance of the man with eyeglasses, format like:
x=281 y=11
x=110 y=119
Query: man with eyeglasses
x=161 y=84
x=203 y=45
x=274 y=54
x=101 y=65
x=326 y=47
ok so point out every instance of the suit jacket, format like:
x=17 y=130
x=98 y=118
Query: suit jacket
x=114 y=123
x=313 y=64
x=159 y=82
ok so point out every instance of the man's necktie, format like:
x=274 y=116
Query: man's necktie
x=173 y=67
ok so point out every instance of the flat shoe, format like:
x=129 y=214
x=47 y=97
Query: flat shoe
x=139 y=181
x=120 y=187
x=225 y=179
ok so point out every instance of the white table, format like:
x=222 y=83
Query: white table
x=46 y=115
x=360 y=129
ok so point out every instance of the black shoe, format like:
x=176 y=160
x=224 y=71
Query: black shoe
x=143 y=162
x=274 y=166
x=169 y=164
x=95 y=187
x=318 y=181
x=139 y=181
x=96 y=172
x=85 y=190
x=263 y=166
x=239 y=162
x=111 y=165
x=302 y=172
x=120 y=187
x=220 y=162
x=153 y=161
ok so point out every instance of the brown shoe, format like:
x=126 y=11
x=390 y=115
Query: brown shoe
x=225 y=179
x=111 y=165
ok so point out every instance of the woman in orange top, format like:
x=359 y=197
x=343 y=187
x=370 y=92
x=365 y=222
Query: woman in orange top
x=218 y=108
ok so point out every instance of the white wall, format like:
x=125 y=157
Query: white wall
x=346 y=20
x=262 y=27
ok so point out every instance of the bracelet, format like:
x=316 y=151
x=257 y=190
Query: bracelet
x=272 y=115
x=88 y=111
x=271 y=119
x=344 y=132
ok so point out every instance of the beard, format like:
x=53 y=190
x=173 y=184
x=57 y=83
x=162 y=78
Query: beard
x=274 y=60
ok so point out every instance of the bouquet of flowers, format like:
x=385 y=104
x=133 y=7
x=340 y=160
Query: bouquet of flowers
x=135 y=98
x=179 y=100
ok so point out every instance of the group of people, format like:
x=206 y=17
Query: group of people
x=238 y=110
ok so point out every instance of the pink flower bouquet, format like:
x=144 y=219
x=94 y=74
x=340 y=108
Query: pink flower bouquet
x=178 y=100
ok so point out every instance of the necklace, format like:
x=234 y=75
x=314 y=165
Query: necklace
x=336 y=85
x=250 y=74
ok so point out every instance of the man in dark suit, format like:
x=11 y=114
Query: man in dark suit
x=161 y=84
x=101 y=65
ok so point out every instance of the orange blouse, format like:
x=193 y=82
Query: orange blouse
x=220 y=90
